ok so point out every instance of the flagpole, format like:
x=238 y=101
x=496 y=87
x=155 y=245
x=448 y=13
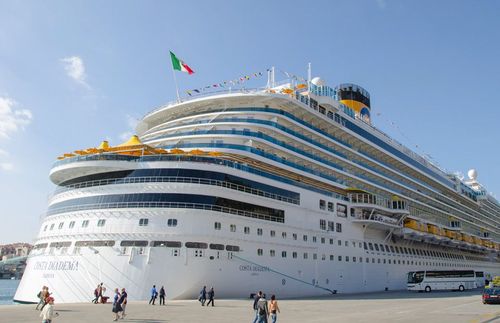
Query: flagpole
x=176 y=85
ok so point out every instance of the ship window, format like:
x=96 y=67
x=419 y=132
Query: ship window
x=272 y=233
x=260 y=252
x=331 y=257
x=259 y=231
x=378 y=260
x=360 y=259
x=331 y=241
x=339 y=242
x=71 y=224
x=232 y=227
x=45 y=228
x=322 y=204
x=367 y=260
x=283 y=254
x=61 y=225
x=315 y=256
x=339 y=227
x=272 y=252
x=196 y=245
x=52 y=226
x=217 y=225
x=339 y=258
x=382 y=248
x=294 y=236
x=133 y=243
x=322 y=240
x=246 y=230
x=322 y=224
x=392 y=249
x=376 y=247
x=283 y=235
x=294 y=255
x=353 y=259
x=330 y=226
x=101 y=223
x=304 y=237
x=330 y=206
x=85 y=223
x=314 y=239
x=341 y=210
x=216 y=246
x=370 y=245
x=305 y=255
x=143 y=222
x=169 y=244
x=232 y=248
x=346 y=243
x=172 y=222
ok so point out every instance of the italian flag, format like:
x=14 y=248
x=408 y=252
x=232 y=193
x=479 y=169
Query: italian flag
x=179 y=65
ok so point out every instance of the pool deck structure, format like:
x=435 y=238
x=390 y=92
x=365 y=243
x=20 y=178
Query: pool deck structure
x=401 y=306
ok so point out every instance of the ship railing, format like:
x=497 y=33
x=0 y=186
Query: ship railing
x=371 y=199
x=199 y=159
x=178 y=205
x=174 y=179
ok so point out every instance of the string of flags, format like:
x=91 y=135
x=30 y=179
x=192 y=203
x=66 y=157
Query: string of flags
x=239 y=80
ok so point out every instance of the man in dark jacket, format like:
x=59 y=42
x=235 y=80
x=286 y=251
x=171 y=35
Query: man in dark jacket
x=211 y=295
x=203 y=295
x=255 y=300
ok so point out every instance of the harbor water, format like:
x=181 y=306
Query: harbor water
x=7 y=290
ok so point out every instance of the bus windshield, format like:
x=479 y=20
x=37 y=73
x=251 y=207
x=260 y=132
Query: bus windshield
x=415 y=277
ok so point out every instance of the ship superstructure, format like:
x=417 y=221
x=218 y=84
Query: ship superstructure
x=288 y=188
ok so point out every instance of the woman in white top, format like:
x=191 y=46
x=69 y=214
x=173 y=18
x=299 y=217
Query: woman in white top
x=47 y=313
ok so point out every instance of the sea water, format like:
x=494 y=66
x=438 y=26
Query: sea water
x=7 y=290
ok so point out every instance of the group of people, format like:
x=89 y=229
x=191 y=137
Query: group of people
x=98 y=294
x=119 y=304
x=264 y=309
x=47 y=305
x=154 y=295
x=203 y=296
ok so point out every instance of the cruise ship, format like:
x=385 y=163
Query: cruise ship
x=288 y=189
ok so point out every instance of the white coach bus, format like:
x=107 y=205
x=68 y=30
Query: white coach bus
x=441 y=280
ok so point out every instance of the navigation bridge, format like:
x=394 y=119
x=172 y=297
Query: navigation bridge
x=378 y=212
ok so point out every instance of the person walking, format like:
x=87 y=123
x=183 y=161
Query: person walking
x=41 y=297
x=123 y=302
x=211 y=295
x=262 y=309
x=100 y=290
x=274 y=308
x=116 y=305
x=96 y=295
x=162 y=295
x=255 y=300
x=45 y=296
x=203 y=295
x=47 y=313
x=154 y=295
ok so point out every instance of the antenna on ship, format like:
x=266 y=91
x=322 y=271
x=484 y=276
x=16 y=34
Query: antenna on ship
x=308 y=76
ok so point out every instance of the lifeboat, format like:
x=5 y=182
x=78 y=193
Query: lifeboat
x=412 y=224
x=431 y=228
x=450 y=234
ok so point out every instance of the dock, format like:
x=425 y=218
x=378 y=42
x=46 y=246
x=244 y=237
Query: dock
x=383 y=307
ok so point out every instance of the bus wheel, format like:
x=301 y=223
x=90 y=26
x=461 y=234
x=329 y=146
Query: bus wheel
x=427 y=289
x=461 y=288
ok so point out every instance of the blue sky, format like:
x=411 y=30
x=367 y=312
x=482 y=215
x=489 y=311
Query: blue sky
x=73 y=73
